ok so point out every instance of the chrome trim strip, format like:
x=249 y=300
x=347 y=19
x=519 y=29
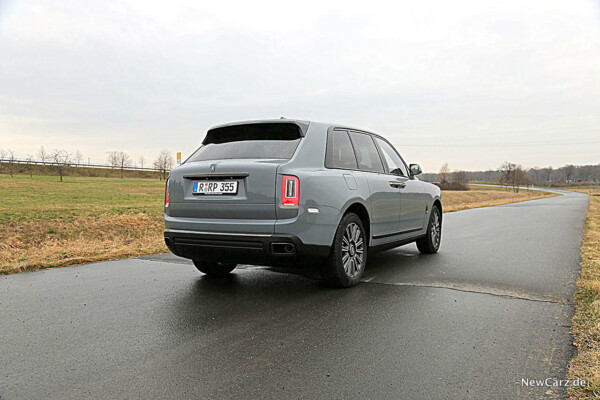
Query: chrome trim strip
x=397 y=233
x=218 y=233
x=231 y=175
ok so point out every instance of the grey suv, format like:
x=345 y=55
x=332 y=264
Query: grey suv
x=286 y=192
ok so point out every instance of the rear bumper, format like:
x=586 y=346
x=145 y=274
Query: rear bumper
x=242 y=248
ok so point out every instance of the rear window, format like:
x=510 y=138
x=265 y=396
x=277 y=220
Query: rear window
x=256 y=141
x=339 y=151
x=366 y=152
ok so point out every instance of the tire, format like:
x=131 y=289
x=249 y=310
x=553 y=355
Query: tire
x=346 y=263
x=214 y=268
x=430 y=243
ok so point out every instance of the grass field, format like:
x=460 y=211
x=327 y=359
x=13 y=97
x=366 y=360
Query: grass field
x=586 y=323
x=48 y=224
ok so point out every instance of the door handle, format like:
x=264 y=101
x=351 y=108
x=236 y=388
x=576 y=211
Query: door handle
x=397 y=184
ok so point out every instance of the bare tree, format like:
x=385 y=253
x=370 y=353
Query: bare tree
x=42 y=154
x=506 y=173
x=141 y=161
x=164 y=162
x=521 y=178
x=2 y=155
x=29 y=160
x=513 y=175
x=10 y=155
x=112 y=158
x=124 y=161
x=545 y=174
x=569 y=172
x=78 y=157
x=444 y=173
x=488 y=175
x=119 y=159
x=61 y=159
x=460 y=177
x=534 y=173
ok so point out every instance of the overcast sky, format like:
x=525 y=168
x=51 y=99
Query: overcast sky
x=473 y=83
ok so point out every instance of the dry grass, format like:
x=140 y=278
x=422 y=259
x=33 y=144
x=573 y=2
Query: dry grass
x=47 y=224
x=486 y=197
x=586 y=322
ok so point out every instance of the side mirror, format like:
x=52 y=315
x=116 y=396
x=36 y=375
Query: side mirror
x=415 y=169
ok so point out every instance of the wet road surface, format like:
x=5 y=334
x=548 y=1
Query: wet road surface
x=492 y=307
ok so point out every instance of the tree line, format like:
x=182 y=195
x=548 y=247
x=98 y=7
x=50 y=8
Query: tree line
x=568 y=174
x=59 y=159
x=515 y=175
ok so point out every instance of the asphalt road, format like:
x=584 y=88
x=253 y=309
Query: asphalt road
x=492 y=307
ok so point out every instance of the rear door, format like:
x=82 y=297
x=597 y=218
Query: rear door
x=385 y=197
x=239 y=165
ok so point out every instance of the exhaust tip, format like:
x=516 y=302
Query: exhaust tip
x=283 y=248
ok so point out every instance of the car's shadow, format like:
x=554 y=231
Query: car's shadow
x=247 y=297
x=266 y=293
x=399 y=260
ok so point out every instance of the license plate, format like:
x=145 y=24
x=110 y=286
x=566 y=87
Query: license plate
x=215 y=187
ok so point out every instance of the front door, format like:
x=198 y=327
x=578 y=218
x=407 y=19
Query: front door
x=385 y=205
x=412 y=203
x=412 y=206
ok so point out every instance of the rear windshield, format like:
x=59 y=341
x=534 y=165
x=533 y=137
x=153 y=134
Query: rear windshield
x=257 y=141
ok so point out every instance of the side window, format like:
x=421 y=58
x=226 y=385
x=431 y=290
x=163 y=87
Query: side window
x=366 y=152
x=339 y=151
x=395 y=164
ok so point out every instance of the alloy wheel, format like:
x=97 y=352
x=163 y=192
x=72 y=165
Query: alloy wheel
x=352 y=250
x=436 y=229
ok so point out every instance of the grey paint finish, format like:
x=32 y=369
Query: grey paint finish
x=468 y=322
x=384 y=202
x=257 y=208
x=414 y=201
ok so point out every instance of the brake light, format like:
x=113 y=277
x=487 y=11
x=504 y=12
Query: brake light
x=167 y=194
x=290 y=191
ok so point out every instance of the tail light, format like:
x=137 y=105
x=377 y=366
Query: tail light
x=167 y=194
x=290 y=191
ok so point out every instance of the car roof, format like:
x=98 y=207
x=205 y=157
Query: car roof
x=263 y=121
x=304 y=124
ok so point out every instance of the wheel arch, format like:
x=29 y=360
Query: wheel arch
x=438 y=203
x=359 y=209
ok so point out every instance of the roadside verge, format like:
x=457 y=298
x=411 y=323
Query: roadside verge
x=586 y=322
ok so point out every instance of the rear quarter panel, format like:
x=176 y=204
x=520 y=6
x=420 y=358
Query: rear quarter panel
x=322 y=188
